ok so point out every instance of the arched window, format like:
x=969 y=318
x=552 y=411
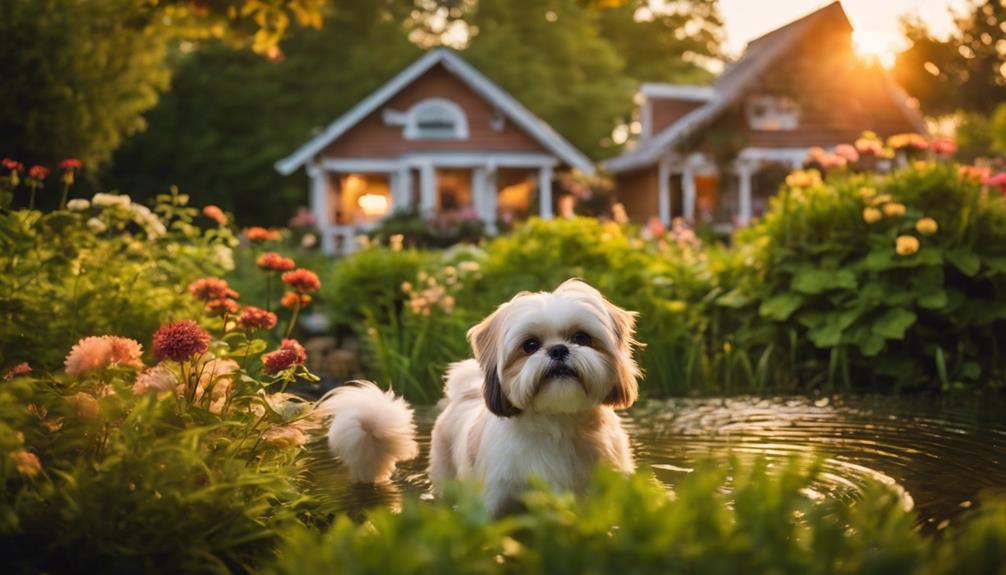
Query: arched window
x=436 y=119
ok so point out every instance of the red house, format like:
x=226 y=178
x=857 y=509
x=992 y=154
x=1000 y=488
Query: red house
x=715 y=154
x=439 y=137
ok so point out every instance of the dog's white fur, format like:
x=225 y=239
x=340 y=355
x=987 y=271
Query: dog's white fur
x=510 y=415
x=371 y=430
x=506 y=420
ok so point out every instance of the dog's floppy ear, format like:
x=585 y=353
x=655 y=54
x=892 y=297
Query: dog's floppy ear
x=626 y=388
x=484 y=339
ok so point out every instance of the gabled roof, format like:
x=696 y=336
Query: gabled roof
x=759 y=56
x=456 y=65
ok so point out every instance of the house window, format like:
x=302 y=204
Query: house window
x=772 y=113
x=436 y=119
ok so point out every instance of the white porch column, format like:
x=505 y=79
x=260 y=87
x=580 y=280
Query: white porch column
x=664 y=191
x=688 y=192
x=745 y=171
x=319 y=207
x=484 y=197
x=545 y=192
x=401 y=185
x=427 y=189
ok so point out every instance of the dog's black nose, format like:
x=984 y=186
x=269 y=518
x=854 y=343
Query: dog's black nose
x=558 y=352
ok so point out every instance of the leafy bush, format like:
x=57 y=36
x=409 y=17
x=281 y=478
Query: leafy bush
x=107 y=266
x=893 y=282
x=766 y=522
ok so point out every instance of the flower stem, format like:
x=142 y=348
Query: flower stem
x=62 y=200
x=293 y=318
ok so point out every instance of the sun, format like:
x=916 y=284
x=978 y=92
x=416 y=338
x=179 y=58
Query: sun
x=874 y=45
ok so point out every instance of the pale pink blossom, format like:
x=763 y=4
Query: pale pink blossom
x=155 y=380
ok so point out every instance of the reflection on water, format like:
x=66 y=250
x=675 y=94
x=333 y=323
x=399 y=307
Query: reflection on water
x=941 y=456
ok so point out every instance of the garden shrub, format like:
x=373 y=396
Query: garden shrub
x=880 y=282
x=107 y=265
x=742 y=519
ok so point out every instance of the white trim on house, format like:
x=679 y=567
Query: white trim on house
x=678 y=92
x=455 y=64
x=442 y=106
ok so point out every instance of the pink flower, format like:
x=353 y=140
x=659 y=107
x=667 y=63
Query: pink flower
x=302 y=280
x=212 y=288
x=304 y=218
x=99 y=352
x=26 y=463
x=180 y=340
x=848 y=152
x=221 y=306
x=656 y=227
x=19 y=369
x=997 y=181
x=290 y=353
x=272 y=261
x=253 y=318
x=38 y=173
x=216 y=214
x=943 y=147
x=155 y=380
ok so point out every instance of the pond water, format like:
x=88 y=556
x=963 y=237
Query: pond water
x=942 y=456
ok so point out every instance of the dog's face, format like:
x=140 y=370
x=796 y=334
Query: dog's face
x=561 y=352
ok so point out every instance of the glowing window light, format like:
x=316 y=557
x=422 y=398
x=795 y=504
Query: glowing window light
x=373 y=204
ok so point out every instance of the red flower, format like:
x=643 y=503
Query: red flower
x=290 y=299
x=302 y=280
x=998 y=181
x=216 y=214
x=272 y=261
x=290 y=353
x=70 y=164
x=222 y=306
x=38 y=173
x=258 y=234
x=180 y=340
x=13 y=165
x=943 y=147
x=19 y=369
x=257 y=318
x=212 y=288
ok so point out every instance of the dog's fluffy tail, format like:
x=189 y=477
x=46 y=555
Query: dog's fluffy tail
x=371 y=430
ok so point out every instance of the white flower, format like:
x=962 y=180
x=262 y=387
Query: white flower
x=97 y=226
x=110 y=200
x=78 y=204
x=226 y=256
x=308 y=241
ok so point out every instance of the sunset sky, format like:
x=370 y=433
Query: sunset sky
x=876 y=21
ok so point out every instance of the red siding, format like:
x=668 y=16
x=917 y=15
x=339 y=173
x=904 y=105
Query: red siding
x=839 y=95
x=666 y=111
x=371 y=138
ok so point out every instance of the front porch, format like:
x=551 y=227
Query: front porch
x=352 y=196
x=700 y=191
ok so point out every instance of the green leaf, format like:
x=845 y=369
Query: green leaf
x=814 y=280
x=893 y=323
x=734 y=298
x=780 y=307
x=936 y=299
x=965 y=260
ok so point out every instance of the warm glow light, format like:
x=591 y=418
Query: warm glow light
x=874 y=45
x=373 y=204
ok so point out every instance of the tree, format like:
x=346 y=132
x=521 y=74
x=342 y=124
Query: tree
x=667 y=42
x=230 y=115
x=965 y=72
x=79 y=75
x=556 y=63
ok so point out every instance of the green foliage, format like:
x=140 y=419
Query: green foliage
x=813 y=297
x=252 y=111
x=79 y=75
x=836 y=281
x=745 y=519
x=961 y=72
x=114 y=267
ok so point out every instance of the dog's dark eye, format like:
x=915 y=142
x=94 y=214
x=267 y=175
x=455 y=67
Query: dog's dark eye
x=531 y=345
x=581 y=338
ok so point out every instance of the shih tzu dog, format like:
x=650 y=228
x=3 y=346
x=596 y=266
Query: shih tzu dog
x=537 y=400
